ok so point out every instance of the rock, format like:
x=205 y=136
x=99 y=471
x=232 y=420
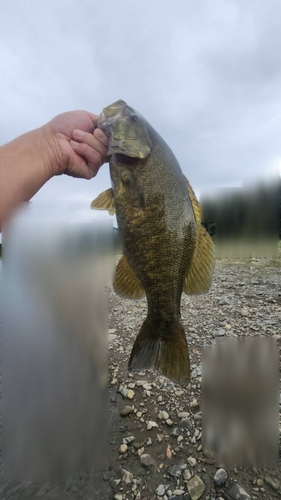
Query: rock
x=178 y=492
x=130 y=394
x=175 y=432
x=160 y=491
x=244 y=312
x=195 y=487
x=194 y=404
x=220 y=477
x=224 y=301
x=185 y=423
x=111 y=337
x=236 y=492
x=140 y=451
x=180 y=439
x=183 y=414
x=160 y=437
x=274 y=483
x=127 y=477
x=260 y=482
x=147 y=461
x=126 y=411
x=136 y=445
x=123 y=448
x=186 y=474
x=126 y=393
x=177 y=468
x=169 y=422
x=118 y=496
x=163 y=415
x=128 y=440
x=192 y=461
x=151 y=424
x=219 y=333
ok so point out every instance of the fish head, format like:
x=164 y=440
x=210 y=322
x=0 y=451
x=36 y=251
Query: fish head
x=127 y=131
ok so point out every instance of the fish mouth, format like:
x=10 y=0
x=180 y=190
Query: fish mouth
x=110 y=114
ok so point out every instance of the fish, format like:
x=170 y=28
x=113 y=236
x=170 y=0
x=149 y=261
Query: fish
x=166 y=249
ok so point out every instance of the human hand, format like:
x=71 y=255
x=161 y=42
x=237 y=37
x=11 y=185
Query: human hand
x=78 y=148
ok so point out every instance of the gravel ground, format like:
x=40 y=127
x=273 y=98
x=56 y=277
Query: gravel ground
x=155 y=426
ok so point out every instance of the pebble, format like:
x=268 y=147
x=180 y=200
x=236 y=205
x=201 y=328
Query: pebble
x=160 y=491
x=236 y=492
x=274 y=483
x=185 y=423
x=260 y=482
x=195 y=487
x=186 y=475
x=140 y=451
x=127 y=477
x=151 y=425
x=169 y=422
x=175 y=432
x=126 y=411
x=163 y=415
x=183 y=414
x=130 y=394
x=136 y=445
x=220 y=477
x=111 y=336
x=224 y=301
x=178 y=492
x=118 y=496
x=147 y=461
x=126 y=393
x=244 y=312
x=177 y=468
x=128 y=440
x=192 y=461
x=219 y=333
x=123 y=448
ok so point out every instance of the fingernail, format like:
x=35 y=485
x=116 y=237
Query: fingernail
x=74 y=144
x=78 y=134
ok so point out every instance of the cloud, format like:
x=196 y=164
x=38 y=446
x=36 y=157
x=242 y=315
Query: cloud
x=206 y=75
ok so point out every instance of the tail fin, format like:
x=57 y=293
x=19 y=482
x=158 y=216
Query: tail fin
x=162 y=348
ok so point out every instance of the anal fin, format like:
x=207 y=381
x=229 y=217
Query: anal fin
x=125 y=282
x=105 y=201
x=199 y=275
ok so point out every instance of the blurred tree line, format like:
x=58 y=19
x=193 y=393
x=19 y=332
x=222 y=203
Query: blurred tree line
x=250 y=213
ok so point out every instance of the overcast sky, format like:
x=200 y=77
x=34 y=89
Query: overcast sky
x=206 y=75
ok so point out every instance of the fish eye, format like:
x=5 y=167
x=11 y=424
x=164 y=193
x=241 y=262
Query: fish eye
x=134 y=118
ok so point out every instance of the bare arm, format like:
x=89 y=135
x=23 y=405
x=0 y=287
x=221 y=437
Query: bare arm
x=68 y=144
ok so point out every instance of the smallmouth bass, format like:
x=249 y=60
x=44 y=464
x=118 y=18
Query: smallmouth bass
x=166 y=249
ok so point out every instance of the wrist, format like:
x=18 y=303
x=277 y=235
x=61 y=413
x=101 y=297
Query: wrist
x=50 y=152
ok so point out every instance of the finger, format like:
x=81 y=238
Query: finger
x=93 y=157
x=91 y=140
x=101 y=136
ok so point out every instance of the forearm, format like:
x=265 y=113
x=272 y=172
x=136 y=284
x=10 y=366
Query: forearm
x=25 y=166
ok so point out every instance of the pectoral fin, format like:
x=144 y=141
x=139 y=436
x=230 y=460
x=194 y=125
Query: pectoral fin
x=105 y=201
x=130 y=181
x=199 y=276
x=194 y=202
x=125 y=282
